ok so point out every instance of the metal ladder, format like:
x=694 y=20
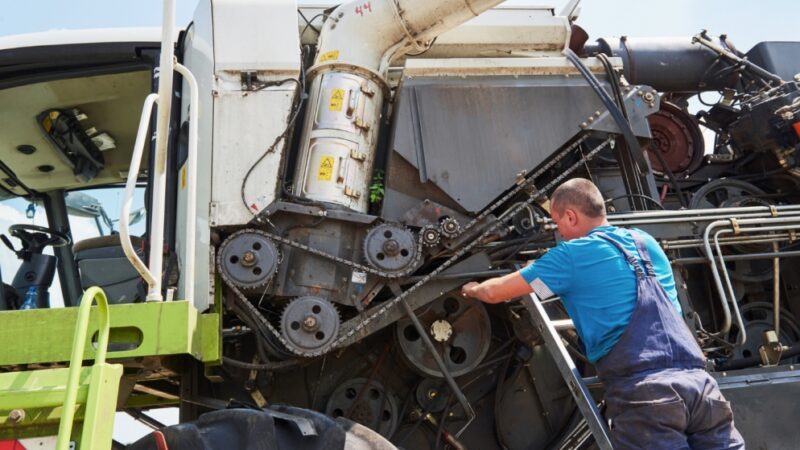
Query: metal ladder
x=548 y=328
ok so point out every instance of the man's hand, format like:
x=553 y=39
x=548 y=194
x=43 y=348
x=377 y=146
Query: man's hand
x=497 y=290
x=470 y=290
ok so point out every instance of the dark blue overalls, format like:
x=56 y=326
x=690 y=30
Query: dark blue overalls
x=658 y=394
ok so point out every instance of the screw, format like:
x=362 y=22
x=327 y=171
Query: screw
x=310 y=323
x=249 y=258
x=16 y=416
x=649 y=97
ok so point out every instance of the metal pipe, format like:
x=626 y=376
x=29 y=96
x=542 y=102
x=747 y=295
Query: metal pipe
x=731 y=258
x=715 y=271
x=348 y=85
x=693 y=243
x=159 y=191
x=191 y=190
x=776 y=295
x=712 y=211
x=130 y=186
x=742 y=337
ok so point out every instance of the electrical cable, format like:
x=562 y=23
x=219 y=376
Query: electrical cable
x=294 y=113
x=646 y=197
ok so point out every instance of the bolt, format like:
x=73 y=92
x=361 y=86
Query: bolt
x=391 y=247
x=249 y=258
x=432 y=394
x=310 y=323
x=649 y=97
x=16 y=416
x=584 y=124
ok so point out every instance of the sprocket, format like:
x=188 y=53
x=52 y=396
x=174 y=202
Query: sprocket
x=309 y=324
x=391 y=248
x=248 y=259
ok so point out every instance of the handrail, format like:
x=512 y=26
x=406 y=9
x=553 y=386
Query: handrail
x=159 y=175
x=76 y=360
x=127 y=196
x=191 y=182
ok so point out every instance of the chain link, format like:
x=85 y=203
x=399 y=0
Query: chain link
x=362 y=321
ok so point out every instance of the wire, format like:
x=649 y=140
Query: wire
x=292 y=118
x=646 y=197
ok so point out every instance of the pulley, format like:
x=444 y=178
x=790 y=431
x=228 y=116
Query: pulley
x=391 y=248
x=366 y=402
x=459 y=329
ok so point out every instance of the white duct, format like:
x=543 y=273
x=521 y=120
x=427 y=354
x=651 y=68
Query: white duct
x=348 y=87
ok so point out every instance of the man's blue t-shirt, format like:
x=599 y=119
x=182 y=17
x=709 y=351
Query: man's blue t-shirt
x=596 y=284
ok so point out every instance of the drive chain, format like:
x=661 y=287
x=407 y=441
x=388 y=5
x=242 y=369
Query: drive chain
x=360 y=321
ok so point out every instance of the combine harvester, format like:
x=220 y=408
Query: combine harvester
x=313 y=206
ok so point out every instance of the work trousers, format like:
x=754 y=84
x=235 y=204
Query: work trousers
x=671 y=410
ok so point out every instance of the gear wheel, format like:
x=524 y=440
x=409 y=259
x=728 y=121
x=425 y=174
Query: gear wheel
x=391 y=248
x=430 y=235
x=310 y=324
x=248 y=259
x=450 y=227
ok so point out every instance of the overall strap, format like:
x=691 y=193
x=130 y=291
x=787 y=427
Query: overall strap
x=643 y=253
x=628 y=256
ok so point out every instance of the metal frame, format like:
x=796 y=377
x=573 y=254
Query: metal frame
x=577 y=386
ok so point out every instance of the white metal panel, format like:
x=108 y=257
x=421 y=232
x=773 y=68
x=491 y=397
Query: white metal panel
x=199 y=58
x=256 y=35
x=244 y=128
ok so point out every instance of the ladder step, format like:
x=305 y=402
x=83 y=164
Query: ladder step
x=563 y=324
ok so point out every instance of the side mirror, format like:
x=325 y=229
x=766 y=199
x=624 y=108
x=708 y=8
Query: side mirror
x=136 y=216
x=83 y=205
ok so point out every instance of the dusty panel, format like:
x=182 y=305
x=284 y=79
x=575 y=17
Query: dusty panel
x=245 y=126
x=471 y=137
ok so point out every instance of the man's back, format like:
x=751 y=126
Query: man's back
x=597 y=285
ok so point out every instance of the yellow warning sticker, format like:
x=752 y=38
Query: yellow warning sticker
x=325 y=172
x=183 y=177
x=337 y=99
x=332 y=55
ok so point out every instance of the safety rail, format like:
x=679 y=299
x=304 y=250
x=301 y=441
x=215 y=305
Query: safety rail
x=92 y=436
x=152 y=272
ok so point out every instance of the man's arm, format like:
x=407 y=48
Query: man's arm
x=499 y=289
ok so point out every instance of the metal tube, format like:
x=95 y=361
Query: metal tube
x=162 y=136
x=191 y=190
x=664 y=220
x=713 y=211
x=776 y=295
x=130 y=186
x=693 y=243
x=747 y=257
x=742 y=337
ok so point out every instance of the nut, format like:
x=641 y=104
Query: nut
x=16 y=416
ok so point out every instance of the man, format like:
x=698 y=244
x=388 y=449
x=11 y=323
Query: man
x=618 y=288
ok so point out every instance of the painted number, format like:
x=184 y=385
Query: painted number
x=360 y=9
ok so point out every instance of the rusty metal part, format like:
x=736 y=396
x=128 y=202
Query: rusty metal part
x=462 y=350
x=677 y=136
x=376 y=409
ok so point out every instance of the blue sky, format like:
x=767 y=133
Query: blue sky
x=746 y=22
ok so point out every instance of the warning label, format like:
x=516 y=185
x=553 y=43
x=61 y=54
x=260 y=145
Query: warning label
x=325 y=172
x=337 y=99
x=332 y=55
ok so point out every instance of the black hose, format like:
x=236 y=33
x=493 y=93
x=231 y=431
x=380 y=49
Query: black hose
x=254 y=366
x=753 y=361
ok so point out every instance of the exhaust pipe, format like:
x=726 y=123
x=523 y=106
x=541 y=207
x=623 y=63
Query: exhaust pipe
x=348 y=87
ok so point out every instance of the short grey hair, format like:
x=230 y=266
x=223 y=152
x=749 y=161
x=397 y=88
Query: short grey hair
x=580 y=194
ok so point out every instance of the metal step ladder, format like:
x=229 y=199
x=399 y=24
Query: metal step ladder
x=34 y=401
x=548 y=328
